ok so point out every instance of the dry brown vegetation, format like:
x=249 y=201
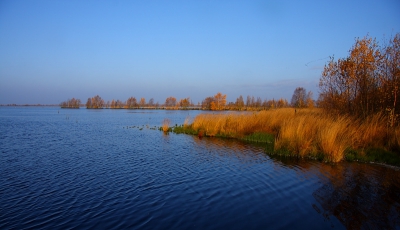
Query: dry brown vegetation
x=305 y=133
x=165 y=125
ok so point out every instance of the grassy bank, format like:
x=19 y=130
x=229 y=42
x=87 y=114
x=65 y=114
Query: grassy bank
x=306 y=133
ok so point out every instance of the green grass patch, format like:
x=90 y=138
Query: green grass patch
x=264 y=138
x=170 y=129
x=260 y=137
x=185 y=130
x=377 y=155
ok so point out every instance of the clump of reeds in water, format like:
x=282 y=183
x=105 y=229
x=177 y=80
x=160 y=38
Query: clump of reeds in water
x=305 y=133
x=165 y=125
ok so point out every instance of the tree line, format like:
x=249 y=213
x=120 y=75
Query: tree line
x=302 y=99
x=97 y=102
x=216 y=102
x=71 y=103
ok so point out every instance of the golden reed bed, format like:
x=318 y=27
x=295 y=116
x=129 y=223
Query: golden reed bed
x=303 y=132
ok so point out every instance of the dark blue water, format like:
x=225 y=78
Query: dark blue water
x=110 y=169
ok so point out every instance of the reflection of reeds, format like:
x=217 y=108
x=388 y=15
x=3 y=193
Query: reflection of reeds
x=165 y=125
x=309 y=132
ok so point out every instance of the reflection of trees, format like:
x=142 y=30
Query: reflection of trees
x=361 y=195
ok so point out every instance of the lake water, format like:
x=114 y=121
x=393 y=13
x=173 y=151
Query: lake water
x=109 y=169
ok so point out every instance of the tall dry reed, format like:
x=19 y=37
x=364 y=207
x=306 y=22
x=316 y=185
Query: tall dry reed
x=305 y=132
x=165 y=125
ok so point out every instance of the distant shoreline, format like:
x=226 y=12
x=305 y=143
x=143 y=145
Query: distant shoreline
x=84 y=107
x=26 y=105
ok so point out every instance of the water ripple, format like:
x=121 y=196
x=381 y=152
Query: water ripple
x=97 y=174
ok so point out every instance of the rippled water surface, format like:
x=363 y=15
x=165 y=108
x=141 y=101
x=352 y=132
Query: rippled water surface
x=110 y=169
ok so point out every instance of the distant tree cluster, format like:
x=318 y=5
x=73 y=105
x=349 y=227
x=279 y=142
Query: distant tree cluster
x=302 y=99
x=170 y=102
x=253 y=103
x=95 y=102
x=216 y=102
x=116 y=104
x=132 y=103
x=185 y=103
x=71 y=103
x=365 y=82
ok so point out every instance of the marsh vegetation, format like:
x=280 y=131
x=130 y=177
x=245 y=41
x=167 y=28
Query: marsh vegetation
x=305 y=133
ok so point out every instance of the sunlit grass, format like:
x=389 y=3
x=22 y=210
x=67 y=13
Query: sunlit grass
x=302 y=133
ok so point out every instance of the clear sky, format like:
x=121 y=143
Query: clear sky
x=54 y=50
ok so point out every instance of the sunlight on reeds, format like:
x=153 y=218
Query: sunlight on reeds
x=296 y=135
x=332 y=138
x=304 y=132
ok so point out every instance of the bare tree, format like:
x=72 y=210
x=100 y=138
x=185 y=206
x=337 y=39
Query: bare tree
x=170 y=102
x=95 y=102
x=239 y=103
x=299 y=97
x=131 y=103
x=71 y=103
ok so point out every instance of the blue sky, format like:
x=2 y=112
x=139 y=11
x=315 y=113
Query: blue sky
x=54 y=50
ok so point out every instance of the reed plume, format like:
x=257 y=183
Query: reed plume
x=165 y=125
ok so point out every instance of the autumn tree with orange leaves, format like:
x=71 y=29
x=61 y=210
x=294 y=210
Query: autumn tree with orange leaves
x=142 y=102
x=95 y=102
x=220 y=101
x=206 y=103
x=184 y=103
x=170 y=102
x=117 y=104
x=364 y=83
x=217 y=102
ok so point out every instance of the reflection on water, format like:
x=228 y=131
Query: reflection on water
x=361 y=195
x=232 y=148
